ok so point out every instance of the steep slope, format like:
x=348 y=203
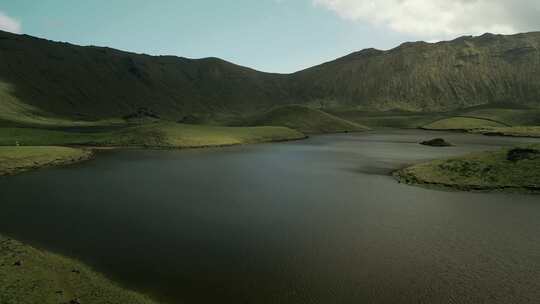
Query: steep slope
x=419 y=76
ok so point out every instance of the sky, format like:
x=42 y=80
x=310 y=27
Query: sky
x=269 y=35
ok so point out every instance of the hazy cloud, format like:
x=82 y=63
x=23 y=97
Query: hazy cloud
x=9 y=24
x=441 y=18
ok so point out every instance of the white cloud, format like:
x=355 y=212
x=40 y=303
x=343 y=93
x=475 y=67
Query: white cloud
x=9 y=24
x=441 y=18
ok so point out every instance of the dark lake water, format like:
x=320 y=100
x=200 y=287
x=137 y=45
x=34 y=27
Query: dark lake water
x=315 y=221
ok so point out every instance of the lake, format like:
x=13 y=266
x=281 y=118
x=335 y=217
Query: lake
x=314 y=221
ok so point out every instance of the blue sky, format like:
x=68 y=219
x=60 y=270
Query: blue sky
x=268 y=35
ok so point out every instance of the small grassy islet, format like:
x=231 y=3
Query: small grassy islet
x=485 y=171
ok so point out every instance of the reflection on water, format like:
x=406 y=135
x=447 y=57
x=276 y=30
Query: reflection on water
x=316 y=221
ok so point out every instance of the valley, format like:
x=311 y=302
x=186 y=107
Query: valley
x=128 y=190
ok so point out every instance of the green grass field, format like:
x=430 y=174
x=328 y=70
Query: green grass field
x=306 y=120
x=479 y=171
x=30 y=276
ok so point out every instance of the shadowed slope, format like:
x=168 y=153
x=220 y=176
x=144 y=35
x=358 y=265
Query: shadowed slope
x=61 y=79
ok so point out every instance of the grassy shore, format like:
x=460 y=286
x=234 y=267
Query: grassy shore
x=156 y=135
x=29 y=276
x=509 y=131
x=14 y=160
x=486 y=171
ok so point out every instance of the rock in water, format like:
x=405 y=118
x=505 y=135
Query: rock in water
x=437 y=142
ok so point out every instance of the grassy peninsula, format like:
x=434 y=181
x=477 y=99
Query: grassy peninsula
x=14 y=160
x=516 y=169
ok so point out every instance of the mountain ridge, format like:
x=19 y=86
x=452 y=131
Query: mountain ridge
x=43 y=77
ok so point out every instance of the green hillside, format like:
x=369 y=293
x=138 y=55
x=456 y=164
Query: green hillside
x=306 y=120
x=462 y=123
x=388 y=119
x=29 y=275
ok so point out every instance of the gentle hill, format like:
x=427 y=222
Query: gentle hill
x=306 y=120
x=462 y=124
